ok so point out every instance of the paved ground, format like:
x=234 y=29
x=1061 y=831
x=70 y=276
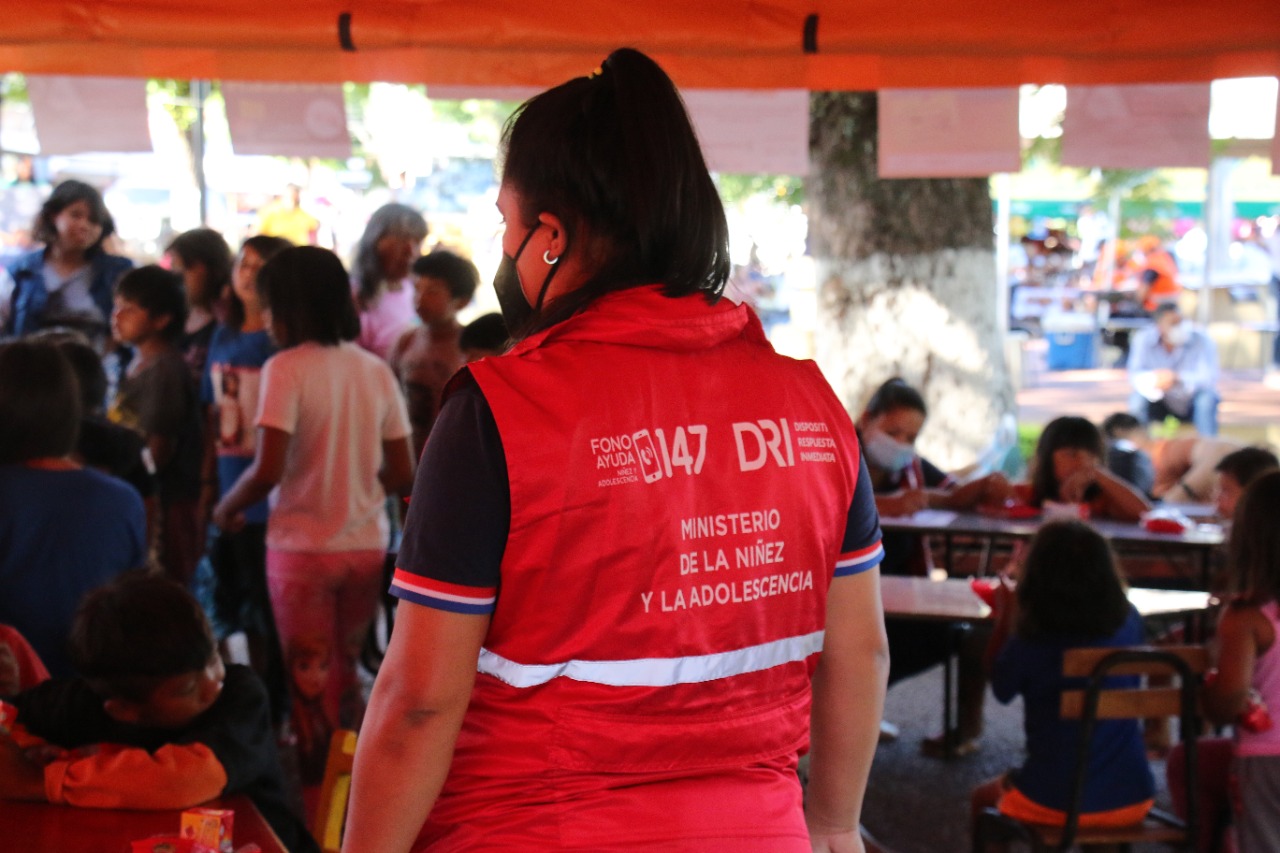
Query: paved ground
x=1250 y=408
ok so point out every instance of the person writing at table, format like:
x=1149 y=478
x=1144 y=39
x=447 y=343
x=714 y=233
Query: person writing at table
x=572 y=666
x=1068 y=468
x=906 y=482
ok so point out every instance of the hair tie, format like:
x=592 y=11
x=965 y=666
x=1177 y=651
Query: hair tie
x=594 y=74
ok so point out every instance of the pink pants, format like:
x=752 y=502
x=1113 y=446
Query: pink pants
x=324 y=603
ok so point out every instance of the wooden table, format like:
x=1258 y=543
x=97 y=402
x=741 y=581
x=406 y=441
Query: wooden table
x=953 y=601
x=45 y=828
x=1200 y=541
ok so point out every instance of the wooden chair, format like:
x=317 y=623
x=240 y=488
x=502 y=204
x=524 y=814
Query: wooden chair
x=1098 y=702
x=331 y=811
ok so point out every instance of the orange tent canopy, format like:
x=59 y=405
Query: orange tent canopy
x=852 y=44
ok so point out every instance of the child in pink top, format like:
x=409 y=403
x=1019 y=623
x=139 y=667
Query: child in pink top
x=1246 y=691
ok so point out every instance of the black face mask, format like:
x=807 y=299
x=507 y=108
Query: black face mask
x=516 y=311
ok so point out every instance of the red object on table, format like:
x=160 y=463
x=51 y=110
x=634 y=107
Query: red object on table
x=1164 y=525
x=46 y=828
x=985 y=589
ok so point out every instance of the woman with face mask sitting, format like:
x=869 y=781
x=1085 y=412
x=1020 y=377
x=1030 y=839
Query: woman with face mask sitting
x=904 y=483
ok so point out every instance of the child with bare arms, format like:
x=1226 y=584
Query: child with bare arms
x=427 y=356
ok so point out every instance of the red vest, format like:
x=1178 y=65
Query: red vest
x=679 y=495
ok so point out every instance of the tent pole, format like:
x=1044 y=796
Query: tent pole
x=200 y=91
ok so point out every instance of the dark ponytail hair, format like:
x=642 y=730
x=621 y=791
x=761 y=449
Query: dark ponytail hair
x=615 y=158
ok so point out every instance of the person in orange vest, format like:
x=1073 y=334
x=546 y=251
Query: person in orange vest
x=1157 y=273
x=639 y=571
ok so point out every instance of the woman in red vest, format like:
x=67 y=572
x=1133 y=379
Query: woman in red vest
x=640 y=562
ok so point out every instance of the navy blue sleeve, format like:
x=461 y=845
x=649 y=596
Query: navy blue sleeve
x=460 y=510
x=861 y=548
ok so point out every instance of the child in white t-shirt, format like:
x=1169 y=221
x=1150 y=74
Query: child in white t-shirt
x=333 y=442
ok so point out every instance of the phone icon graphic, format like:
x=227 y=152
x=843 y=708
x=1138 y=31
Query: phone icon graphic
x=650 y=467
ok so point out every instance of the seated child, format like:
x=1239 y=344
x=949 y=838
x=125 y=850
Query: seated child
x=158 y=399
x=64 y=529
x=156 y=721
x=1068 y=469
x=484 y=336
x=1244 y=767
x=20 y=666
x=1236 y=471
x=1126 y=456
x=109 y=447
x=426 y=357
x=1069 y=595
x=904 y=482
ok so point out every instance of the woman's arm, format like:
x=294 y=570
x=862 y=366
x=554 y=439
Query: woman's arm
x=258 y=479
x=989 y=490
x=900 y=503
x=415 y=712
x=1115 y=498
x=848 y=700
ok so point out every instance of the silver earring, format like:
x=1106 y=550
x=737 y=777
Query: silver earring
x=548 y=260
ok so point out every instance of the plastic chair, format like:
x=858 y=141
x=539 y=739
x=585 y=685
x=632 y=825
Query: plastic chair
x=331 y=812
x=1097 y=702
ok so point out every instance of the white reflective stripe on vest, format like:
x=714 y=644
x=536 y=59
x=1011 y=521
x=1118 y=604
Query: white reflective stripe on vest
x=654 y=672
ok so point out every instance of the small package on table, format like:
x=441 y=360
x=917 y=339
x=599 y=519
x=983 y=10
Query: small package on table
x=209 y=829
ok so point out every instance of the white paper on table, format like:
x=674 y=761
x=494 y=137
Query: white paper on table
x=926 y=518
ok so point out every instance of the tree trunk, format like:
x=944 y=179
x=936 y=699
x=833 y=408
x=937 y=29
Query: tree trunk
x=906 y=283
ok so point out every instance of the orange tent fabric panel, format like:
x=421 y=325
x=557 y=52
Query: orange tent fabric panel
x=853 y=44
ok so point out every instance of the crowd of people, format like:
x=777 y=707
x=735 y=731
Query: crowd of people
x=639 y=569
x=149 y=412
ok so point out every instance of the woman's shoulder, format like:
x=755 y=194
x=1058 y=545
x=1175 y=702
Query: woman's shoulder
x=26 y=263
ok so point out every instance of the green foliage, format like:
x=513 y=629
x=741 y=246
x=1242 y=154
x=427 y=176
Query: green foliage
x=178 y=99
x=783 y=189
x=13 y=87
x=1028 y=437
x=1144 y=195
x=483 y=119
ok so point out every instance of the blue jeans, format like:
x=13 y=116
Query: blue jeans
x=1204 y=411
